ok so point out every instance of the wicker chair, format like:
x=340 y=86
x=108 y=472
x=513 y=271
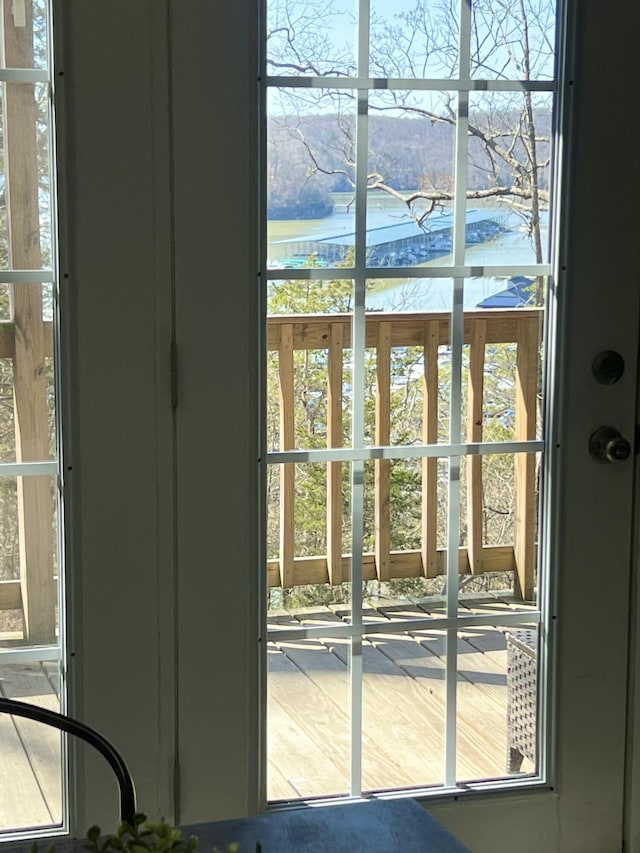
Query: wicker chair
x=522 y=697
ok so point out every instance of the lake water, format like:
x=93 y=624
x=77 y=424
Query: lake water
x=430 y=294
x=435 y=294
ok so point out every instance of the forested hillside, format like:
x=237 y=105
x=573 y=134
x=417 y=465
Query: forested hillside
x=311 y=156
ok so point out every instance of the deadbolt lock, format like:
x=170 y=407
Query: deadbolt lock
x=607 y=445
x=608 y=367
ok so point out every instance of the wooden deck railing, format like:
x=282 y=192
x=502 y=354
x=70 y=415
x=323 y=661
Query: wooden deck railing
x=427 y=331
x=35 y=592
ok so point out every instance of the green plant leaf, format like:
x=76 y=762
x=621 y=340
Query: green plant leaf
x=93 y=834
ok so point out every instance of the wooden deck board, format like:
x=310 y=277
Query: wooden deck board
x=482 y=722
x=29 y=754
x=302 y=762
x=404 y=688
x=417 y=735
x=277 y=783
x=329 y=676
x=21 y=802
x=389 y=731
x=30 y=683
x=403 y=717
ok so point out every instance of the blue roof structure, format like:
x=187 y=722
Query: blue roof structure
x=519 y=294
x=403 y=230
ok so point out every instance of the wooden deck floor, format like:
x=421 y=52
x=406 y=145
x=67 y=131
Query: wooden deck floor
x=403 y=703
x=30 y=783
x=308 y=712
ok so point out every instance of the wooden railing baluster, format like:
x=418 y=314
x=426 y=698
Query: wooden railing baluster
x=429 y=534
x=334 y=439
x=382 y=473
x=474 y=433
x=287 y=442
x=528 y=337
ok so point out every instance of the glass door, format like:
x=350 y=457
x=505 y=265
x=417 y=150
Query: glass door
x=409 y=171
x=31 y=570
x=363 y=414
x=439 y=487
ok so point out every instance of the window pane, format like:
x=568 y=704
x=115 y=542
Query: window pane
x=27 y=25
x=305 y=297
x=27 y=393
x=307 y=718
x=25 y=216
x=31 y=631
x=502 y=359
x=430 y=297
x=30 y=770
x=309 y=393
x=403 y=713
x=409 y=361
x=414 y=40
x=311 y=179
x=411 y=163
x=308 y=534
x=29 y=561
x=405 y=525
x=311 y=38
x=513 y=40
x=498 y=522
x=496 y=692
x=497 y=701
x=31 y=752
x=508 y=176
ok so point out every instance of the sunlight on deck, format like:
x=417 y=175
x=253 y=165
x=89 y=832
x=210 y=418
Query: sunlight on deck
x=403 y=706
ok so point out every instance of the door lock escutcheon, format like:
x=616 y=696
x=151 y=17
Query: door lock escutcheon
x=608 y=367
x=607 y=445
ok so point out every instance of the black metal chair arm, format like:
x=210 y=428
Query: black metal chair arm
x=92 y=737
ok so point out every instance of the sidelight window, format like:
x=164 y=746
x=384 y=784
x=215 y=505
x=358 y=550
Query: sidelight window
x=31 y=616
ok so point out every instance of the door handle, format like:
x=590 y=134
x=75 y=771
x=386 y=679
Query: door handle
x=607 y=445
